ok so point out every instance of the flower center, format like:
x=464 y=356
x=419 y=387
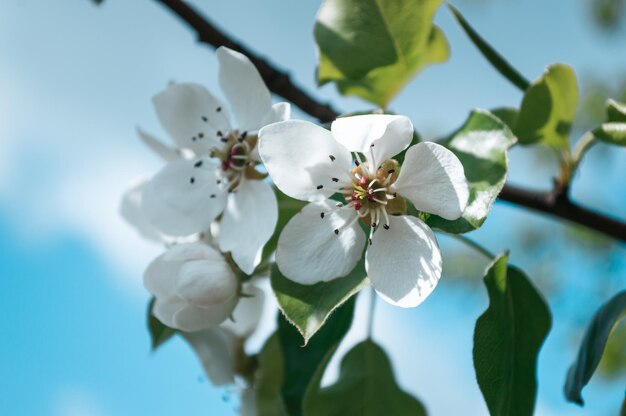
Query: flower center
x=371 y=193
x=236 y=158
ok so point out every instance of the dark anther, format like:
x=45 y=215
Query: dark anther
x=219 y=133
x=335 y=179
x=370 y=241
x=386 y=227
x=192 y=179
x=205 y=119
x=332 y=158
x=336 y=231
x=218 y=109
x=373 y=225
x=212 y=195
x=224 y=139
x=390 y=171
x=200 y=135
x=218 y=181
x=372 y=145
x=243 y=135
x=193 y=138
x=197 y=164
x=322 y=215
x=356 y=162
x=320 y=186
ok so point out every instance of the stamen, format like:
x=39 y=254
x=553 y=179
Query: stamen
x=204 y=119
x=358 y=160
x=197 y=164
x=381 y=202
x=192 y=180
x=335 y=179
x=372 y=160
x=320 y=186
x=386 y=226
x=332 y=158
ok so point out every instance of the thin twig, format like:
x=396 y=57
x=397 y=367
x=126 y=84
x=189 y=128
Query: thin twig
x=277 y=81
x=555 y=202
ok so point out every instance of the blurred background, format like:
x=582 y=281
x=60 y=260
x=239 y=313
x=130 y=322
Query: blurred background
x=75 y=82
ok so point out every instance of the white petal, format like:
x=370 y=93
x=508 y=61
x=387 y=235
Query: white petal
x=130 y=210
x=244 y=88
x=206 y=283
x=166 y=153
x=382 y=134
x=184 y=197
x=309 y=250
x=182 y=110
x=404 y=262
x=214 y=347
x=165 y=309
x=194 y=318
x=248 y=222
x=278 y=112
x=247 y=313
x=161 y=274
x=300 y=157
x=432 y=178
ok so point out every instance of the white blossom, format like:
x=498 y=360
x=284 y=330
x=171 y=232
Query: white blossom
x=211 y=169
x=325 y=241
x=194 y=287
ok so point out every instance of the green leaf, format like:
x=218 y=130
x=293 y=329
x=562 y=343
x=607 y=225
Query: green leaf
x=494 y=58
x=269 y=379
x=481 y=145
x=301 y=362
x=548 y=108
x=616 y=111
x=372 y=48
x=507 y=339
x=159 y=333
x=287 y=208
x=366 y=387
x=508 y=115
x=308 y=307
x=593 y=345
x=612 y=133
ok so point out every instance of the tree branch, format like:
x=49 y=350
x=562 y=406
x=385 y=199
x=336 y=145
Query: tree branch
x=277 y=81
x=554 y=202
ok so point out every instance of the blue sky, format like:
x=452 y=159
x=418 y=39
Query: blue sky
x=75 y=81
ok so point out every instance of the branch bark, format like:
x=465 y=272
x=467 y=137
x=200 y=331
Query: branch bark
x=555 y=202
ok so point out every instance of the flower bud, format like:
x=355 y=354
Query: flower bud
x=194 y=287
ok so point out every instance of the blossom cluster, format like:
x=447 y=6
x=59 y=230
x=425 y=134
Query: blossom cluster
x=214 y=208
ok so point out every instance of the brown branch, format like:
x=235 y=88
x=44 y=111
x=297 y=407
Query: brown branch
x=555 y=202
x=277 y=81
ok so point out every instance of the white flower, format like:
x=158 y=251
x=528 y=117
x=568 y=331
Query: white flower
x=217 y=175
x=325 y=241
x=219 y=347
x=194 y=287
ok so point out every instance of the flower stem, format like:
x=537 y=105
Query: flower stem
x=370 y=326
